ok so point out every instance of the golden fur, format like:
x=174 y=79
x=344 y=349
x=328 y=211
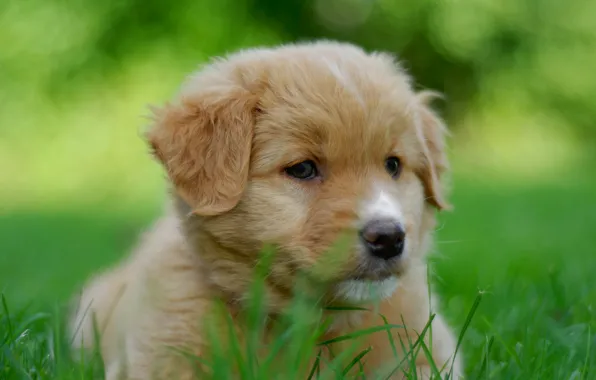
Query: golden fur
x=224 y=143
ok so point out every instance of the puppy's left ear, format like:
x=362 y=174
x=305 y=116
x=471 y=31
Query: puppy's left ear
x=432 y=132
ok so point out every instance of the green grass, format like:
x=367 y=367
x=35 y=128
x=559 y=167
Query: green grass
x=529 y=252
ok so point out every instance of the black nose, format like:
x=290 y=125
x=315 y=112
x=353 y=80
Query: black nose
x=384 y=238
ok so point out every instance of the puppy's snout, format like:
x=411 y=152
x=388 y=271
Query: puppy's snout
x=383 y=238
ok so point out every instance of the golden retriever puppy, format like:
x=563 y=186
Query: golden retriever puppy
x=295 y=147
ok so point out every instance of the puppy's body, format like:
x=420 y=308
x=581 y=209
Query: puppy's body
x=297 y=147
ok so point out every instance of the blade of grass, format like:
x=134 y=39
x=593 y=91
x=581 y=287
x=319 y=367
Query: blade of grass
x=97 y=343
x=16 y=363
x=37 y=317
x=315 y=367
x=10 y=332
x=467 y=322
x=409 y=353
x=220 y=363
x=255 y=324
x=503 y=343
x=484 y=366
x=281 y=341
x=80 y=324
x=335 y=366
x=430 y=306
x=412 y=351
x=356 y=360
x=390 y=337
x=429 y=358
x=236 y=351
x=360 y=333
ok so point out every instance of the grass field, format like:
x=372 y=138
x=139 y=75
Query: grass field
x=528 y=250
x=77 y=187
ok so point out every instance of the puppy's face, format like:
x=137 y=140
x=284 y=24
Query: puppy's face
x=320 y=149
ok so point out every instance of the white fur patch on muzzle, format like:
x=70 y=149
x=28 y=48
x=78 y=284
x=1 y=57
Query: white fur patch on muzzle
x=361 y=291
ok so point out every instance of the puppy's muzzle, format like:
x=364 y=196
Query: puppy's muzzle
x=383 y=238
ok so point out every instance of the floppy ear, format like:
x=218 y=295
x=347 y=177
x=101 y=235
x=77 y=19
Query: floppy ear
x=432 y=132
x=204 y=142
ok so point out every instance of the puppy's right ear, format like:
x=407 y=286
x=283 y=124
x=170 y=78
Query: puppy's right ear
x=432 y=134
x=204 y=142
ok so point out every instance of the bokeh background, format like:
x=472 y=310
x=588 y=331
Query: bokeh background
x=519 y=77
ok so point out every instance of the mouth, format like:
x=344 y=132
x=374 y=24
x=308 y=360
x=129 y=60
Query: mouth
x=377 y=270
x=373 y=280
x=372 y=275
x=359 y=291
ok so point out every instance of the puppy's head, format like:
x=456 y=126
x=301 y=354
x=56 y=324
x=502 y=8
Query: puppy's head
x=320 y=149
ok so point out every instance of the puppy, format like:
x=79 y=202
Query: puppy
x=295 y=146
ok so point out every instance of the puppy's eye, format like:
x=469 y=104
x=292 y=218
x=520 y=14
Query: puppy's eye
x=393 y=166
x=303 y=170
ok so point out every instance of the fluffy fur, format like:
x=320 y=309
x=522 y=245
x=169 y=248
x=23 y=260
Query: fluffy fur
x=224 y=143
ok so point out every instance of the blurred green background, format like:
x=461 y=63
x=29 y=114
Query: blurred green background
x=77 y=183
